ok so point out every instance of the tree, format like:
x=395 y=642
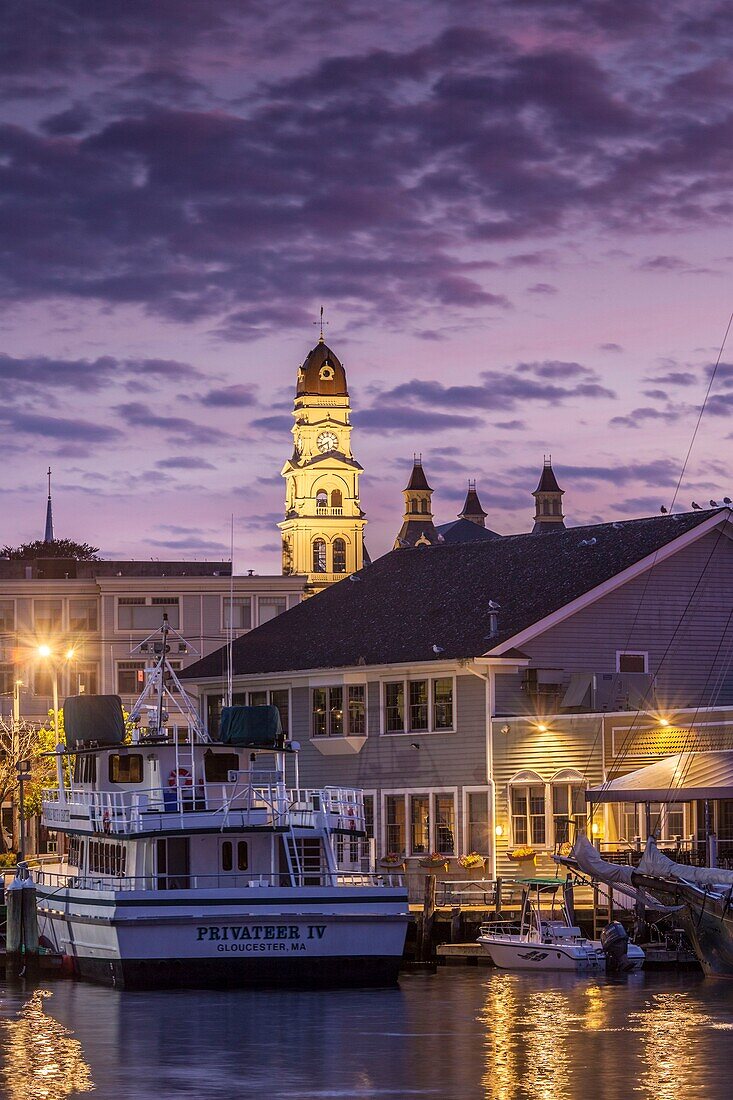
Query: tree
x=22 y=741
x=59 y=548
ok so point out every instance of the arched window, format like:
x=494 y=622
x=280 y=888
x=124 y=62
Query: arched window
x=527 y=809
x=339 y=556
x=319 y=556
x=337 y=501
x=568 y=805
x=321 y=499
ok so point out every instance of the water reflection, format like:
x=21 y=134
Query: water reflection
x=462 y=1034
x=41 y=1060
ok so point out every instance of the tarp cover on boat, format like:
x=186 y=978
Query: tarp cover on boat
x=655 y=864
x=253 y=727
x=590 y=861
x=89 y=718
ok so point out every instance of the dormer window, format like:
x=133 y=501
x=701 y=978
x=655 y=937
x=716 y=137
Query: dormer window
x=326 y=373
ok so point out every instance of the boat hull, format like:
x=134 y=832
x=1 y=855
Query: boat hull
x=229 y=941
x=527 y=955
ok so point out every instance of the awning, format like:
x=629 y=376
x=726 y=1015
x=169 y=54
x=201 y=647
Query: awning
x=681 y=778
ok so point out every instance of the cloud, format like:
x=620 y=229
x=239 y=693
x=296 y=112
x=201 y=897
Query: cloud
x=397 y=418
x=542 y=288
x=278 y=425
x=663 y=263
x=637 y=417
x=184 y=462
x=54 y=427
x=510 y=425
x=610 y=347
x=674 y=378
x=237 y=396
x=178 y=428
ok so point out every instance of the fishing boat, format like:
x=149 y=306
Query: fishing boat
x=189 y=861
x=545 y=938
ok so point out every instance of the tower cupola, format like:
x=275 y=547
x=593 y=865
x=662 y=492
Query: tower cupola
x=472 y=509
x=418 y=528
x=548 y=501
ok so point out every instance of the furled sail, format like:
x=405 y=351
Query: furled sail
x=591 y=862
x=655 y=864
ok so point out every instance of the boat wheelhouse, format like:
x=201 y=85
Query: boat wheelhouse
x=190 y=862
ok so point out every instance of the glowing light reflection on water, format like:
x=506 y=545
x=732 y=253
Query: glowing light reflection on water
x=468 y=1034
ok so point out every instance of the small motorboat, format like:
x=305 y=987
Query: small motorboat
x=545 y=937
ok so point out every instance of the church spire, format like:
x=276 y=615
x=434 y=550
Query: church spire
x=548 y=501
x=472 y=509
x=48 y=536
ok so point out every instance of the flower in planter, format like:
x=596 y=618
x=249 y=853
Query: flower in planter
x=392 y=859
x=522 y=853
x=435 y=859
x=472 y=861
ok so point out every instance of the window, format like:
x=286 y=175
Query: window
x=258 y=699
x=445 y=824
x=330 y=719
x=628 y=822
x=82 y=615
x=321 y=500
x=174 y=863
x=568 y=811
x=75 y=857
x=419 y=824
x=394 y=698
x=7 y=616
x=632 y=662
x=369 y=815
x=418 y=705
x=337 y=500
x=443 y=703
x=667 y=819
x=270 y=607
x=357 y=710
x=395 y=820
x=106 y=858
x=85 y=768
x=43 y=681
x=130 y=677
x=319 y=556
x=85 y=679
x=7 y=679
x=429 y=705
x=146 y=612
x=528 y=815
x=477 y=822
x=217 y=766
x=237 y=613
x=281 y=700
x=126 y=769
x=230 y=849
x=339 y=556
x=47 y=616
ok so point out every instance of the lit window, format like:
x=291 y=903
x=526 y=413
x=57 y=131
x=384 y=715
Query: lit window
x=528 y=815
x=339 y=556
x=329 y=717
x=319 y=556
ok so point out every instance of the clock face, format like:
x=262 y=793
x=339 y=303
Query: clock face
x=327 y=441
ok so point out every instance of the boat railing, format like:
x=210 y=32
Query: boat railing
x=262 y=804
x=468 y=892
x=222 y=881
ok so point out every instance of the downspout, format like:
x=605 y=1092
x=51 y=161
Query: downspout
x=488 y=679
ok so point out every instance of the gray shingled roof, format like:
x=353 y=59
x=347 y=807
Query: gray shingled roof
x=464 y=530
x=397 y=609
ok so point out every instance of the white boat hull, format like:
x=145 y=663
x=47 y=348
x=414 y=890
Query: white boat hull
x=270 y=936
x=512 y=953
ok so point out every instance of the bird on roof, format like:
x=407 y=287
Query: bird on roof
x=727 y=500
x=437 y=649
x=695 y=507
x=353 y=577
x=494 y=606
x=663 y=510
x=713 y=504
x=588 y=542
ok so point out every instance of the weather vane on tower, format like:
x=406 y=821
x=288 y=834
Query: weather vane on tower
x=321 y=323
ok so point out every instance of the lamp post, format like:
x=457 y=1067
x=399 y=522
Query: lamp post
x=45 y=652
x=23 y=768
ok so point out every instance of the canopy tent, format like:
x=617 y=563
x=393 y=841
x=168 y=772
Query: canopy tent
x=686 y=777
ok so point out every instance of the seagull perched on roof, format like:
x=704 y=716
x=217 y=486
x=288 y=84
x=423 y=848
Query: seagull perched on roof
x=663 y=510
x=713 y=504
x=437 y=649
x=727 y=500
x=353 y=577
x=588 y=542
x=494 y=606
x=695 y=507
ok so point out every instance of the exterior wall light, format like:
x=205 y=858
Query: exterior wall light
x=541 y=727
x=499 y=830
x=664 y=723
x=505 y=729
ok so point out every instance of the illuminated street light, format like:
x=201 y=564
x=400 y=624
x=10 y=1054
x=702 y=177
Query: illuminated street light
x=44 y=651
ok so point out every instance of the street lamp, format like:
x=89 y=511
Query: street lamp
x=45 y=652
x=23 y=768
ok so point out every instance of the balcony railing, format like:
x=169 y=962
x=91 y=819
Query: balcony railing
x=143 y=883
x=324 y=510
x=205 y=805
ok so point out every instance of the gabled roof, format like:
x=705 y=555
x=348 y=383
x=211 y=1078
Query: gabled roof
x=464 y=530
x=410 y=601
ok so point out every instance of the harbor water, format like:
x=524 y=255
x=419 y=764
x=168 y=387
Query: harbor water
x=460 y=1034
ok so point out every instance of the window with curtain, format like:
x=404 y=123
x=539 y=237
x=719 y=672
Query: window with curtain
x=418 y=705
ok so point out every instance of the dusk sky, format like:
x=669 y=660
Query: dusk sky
x=515 y=214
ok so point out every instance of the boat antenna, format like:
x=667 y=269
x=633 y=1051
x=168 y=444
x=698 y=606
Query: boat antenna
x=230 y=624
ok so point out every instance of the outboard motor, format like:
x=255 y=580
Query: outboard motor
x=615 y=944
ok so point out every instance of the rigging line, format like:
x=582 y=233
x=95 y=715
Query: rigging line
x=678 y=778
x=711 y=381
x=230 y=625
x=644 y=708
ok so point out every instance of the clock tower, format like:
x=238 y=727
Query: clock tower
x=323 y=529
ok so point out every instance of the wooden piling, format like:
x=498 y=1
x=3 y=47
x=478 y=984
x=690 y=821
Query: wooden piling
x=456 y=925
x=497 y=899
x=30 y=929
x=425 y=952
x=21 y=956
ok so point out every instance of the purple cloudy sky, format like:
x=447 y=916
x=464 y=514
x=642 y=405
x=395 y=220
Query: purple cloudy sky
x=516 y=213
